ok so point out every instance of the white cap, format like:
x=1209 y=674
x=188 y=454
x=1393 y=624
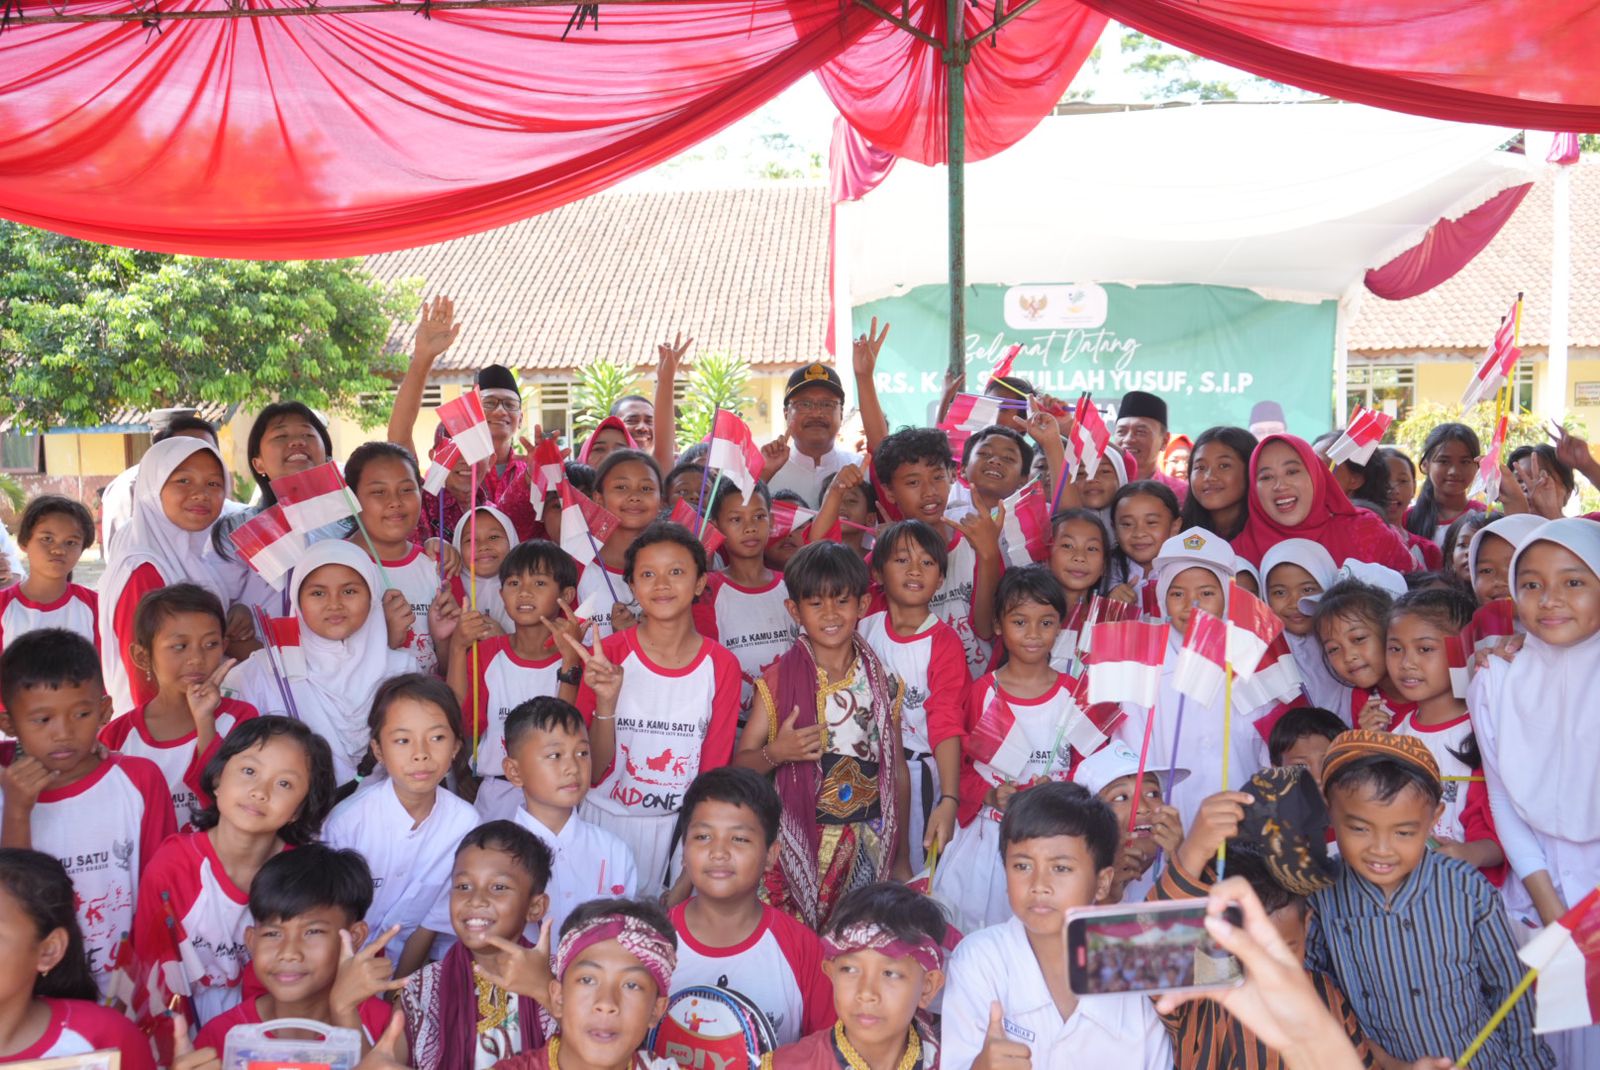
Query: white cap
x=1193 y=548
x=1370 y=573
x=1113 y=762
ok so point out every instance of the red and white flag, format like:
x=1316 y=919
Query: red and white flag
x=1567 y=956
x=968 y=414
x=1025 y=532
x=1252 y=626
x=269 y=544
x=710 y=537
x=1002 y=367
x=314 y=498
x=1267 y=721
x=1361 y=437
x=786 y=518
x=444 y=459
x=1492 y=624
x=1198 y=672
x=1486 y=485
x=1102 y=611
x=585 y=525
x=998 y=744
x=1457 y=653
x=1276 y=679
x=469 y=429
x=282 y=634
x=1089 y=435
x=1565 y=149
x=1498 y=360
x=549 y=466
x=1089 y=724
x=734 y=453
x=1124 y=662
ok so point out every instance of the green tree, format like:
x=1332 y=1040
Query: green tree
x=1523 y=428
x=599 y=384
x=87 y=329
x=717 y=381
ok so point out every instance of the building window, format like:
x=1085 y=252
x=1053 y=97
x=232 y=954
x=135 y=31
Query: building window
x=432 y=396
x=552 y=405
x=1390 y=388
x=19 y=452
x=1522 y=387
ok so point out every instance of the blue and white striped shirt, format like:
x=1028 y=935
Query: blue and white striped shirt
x=1426 y=970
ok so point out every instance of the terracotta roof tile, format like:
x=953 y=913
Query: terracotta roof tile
x=1462 y=312
x=742 y=270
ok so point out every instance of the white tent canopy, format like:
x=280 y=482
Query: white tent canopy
x=1294 y=200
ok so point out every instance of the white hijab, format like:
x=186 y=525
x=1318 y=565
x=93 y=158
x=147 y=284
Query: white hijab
x=149 y=538
x=1513 y=529
x=488 y=587
x=334 y=698
x=1538 y=712
x=1323 y=689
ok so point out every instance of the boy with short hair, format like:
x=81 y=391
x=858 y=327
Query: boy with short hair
x=536 y=578
x=885 y=954
x=102 y=815
x=913 y=469
x=53 y=533
x=1007 y=999
x=1419 y=942
x=547 y=759
x=307 y=906
x=729 y=829
x=1302 y=737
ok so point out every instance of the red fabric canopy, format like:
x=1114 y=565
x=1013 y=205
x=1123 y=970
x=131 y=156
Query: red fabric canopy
x=1447 y=248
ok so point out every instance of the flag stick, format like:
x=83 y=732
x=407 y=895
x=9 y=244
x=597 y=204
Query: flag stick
x=442 y=536
x=995 y=381
x=1227 y=748
x=1138 y=780
x=705 y=503
x=1177 y=733
x=279 y=676
x=373 y=550
x=605 y=573
x=472 y=598
x=933 y=860
x=705 y=472
x=1497 y=1017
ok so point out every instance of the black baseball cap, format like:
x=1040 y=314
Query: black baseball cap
x=817 y=374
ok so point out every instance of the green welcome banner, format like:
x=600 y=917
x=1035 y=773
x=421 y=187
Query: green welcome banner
x=1211 y=351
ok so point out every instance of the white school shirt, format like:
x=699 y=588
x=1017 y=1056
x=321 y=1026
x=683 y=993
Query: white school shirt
x=998 y=964
x=751 y=622
x=76 y=611
x=952 y=602
x=588 y=863
x=175 y=758
x=411 y=867
x=1440 y=741
x=104 y=829
x=932 y=665
x=417 y=577
x=778 y=968
x=593 y=589
x=804 y=476
x=505 y=681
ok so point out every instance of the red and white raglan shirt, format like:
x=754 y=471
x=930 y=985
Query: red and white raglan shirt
x=506 y=681
x=670 y=724
x=77 y=610
x=106 y=829
x=180 y=765
x=374 y=1014
x=1466 y=814
x=140 y=686
x=417 y=577
x=751 y=622
x=78 y=1027
x=952 y=602
x=601 y=587
x=778 y=968
x=188 y=932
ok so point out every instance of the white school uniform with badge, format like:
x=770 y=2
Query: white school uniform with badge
x=105 y=828
x=751 y=622
x=76 y=611
x=417 y=577
x=588 y=863
x=952 y=602
x=176 y=758
x=670 y=724
x=599 y=596
x=970 y=877
x=505 y=681
x=411 y=863
x=997 y=964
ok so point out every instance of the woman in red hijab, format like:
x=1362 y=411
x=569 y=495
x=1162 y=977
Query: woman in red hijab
x=1296 y=497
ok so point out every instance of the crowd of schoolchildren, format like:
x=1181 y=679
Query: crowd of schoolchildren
x=496 y=809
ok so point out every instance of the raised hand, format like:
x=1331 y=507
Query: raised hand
x=205 y=696
x=1570 y=449
x=983 y=530
x=669 y=355
x=567 y=624
x=999 y=1051
x=952 y=387
x=476 y=626
x=444 y=614
x=436 y=329
x=864 y=354
x=362 y=974
x=398 y=617
x=774 y=455
x=1216 y=821
x=448 y=556
x=795 y=744
x=1375 y=716
x=385 y=1054
x=603 y=677
x=184 y=1055
x=1166 y=827
x=524 y=970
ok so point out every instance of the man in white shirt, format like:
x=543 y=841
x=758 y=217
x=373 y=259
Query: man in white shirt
x=813 y=408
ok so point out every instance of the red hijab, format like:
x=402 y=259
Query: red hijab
x=610 y=423
x=1341 y=528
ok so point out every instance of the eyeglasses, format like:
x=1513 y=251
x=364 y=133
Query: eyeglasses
x=493 y=403
x=822 y=407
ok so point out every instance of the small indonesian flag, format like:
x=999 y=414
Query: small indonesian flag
x=786 y=518
x=968 y=414
x=1102 y=610
x=1089 y=724
x=314 y=498
x=1565 y=149
x=734 y=452
x=585 y=525
x=1276 y=679
x=1265 y=723
x=463 y=418
x=1457 y=652
x=549 y=466
x=1361 y=437
x=710 y=537
x=998 y=744
x=1124 y=662
x=1252 y=627
x=1002 y=367
x=1487 y=483
x=1492 y=624
x=282 y=634
x=1026 y=529
x=445 y=457
x=1198 y=672
x=1567 y=956
x=1497 y=362
x=1089 y=435
x=269 y=544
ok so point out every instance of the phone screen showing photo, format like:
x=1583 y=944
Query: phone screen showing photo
x=1148 y=950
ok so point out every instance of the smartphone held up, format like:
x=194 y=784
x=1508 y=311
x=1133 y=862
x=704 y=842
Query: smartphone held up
x=1148 y=948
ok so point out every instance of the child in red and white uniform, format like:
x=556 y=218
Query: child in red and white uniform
x=52 y=1008
x=970 y=877
x=1144 y=514
x=662 y=701
x=537 y=580
x=53 y=533
x=908 y=562
x=730 y=827
x=743 y=605
x=271 y=785
x=1080 y=548
x=403 y=821
x=177 y=496
x=103 y=816
x=628 y=486
x=388 y=486
x=178 y=639
x=497 y=534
